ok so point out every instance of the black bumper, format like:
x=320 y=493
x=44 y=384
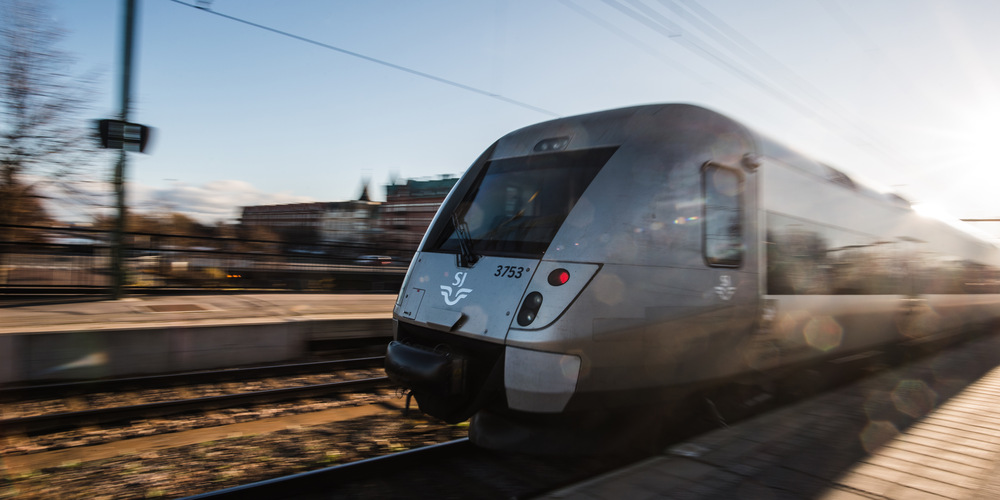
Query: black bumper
x=451 y=377
x=423 y=370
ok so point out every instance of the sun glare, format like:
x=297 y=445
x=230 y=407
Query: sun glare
x=932 y=211
x=982 y=135
x=960 y=165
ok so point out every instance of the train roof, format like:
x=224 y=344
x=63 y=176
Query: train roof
x=763 y=145
x=775 y=150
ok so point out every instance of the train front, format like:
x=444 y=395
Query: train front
x=485 y=269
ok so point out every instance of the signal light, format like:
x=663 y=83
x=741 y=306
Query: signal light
x=529 y=309
x=558 y=277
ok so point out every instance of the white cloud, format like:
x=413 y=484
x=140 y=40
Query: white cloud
x=207 y=203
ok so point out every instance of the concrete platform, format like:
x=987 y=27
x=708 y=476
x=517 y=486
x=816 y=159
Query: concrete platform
x=929 y=430
x=146 y=335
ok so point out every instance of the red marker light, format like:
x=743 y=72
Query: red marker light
x=558 y=277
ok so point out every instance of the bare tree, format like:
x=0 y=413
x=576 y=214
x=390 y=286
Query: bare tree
x=45 y=145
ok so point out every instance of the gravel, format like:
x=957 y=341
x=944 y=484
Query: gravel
x=188 y=470
x=191 y=469
x=97 y=400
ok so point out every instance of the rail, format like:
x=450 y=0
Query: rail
x=103 y=416
x=454 y=469
x=16 y=393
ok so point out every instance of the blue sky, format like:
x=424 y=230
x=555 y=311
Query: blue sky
x=902 y=94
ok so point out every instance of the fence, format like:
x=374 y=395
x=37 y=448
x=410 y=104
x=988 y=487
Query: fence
x=51 y=258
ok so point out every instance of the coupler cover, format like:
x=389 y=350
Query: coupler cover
x=423 y=370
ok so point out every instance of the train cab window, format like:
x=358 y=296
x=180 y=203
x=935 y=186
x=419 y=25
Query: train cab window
x=722 y=189
x=518 y=204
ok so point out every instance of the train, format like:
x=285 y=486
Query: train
x=612 y=262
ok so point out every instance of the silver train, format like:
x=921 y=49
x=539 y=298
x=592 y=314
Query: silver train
x=615 y=259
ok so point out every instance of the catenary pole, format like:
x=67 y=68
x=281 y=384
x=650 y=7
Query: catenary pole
x=117 y=237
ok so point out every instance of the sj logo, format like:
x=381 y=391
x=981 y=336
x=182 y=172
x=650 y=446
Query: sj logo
x=461 y=293
x=725 y=290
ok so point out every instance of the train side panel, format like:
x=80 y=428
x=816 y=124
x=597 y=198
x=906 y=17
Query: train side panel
x=845 y=270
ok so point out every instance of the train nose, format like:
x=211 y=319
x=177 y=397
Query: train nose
x=479 y=301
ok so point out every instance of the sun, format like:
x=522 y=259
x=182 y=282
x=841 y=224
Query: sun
x=957 y=161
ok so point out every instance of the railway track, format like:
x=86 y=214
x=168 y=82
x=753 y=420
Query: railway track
x=455 y=469
x=62 y=420
x=104 y=416
x=19 y=393
x=254 y=460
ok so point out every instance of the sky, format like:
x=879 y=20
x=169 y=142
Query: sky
x=903 y=95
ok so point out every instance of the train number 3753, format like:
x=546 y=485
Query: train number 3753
x=510 y=272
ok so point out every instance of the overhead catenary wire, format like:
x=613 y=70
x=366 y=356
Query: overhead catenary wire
x=381 y=62
x=744 y=49
x=737 y=43
x=660 y=24
x=667 y=28
x=625 y=35
x=734 y=62
x=867 y=45
x=653 y=20
x=646 y=47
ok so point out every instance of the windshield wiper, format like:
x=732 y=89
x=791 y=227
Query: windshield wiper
x=465 y=256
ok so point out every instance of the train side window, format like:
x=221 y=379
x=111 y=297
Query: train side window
x=722 y=189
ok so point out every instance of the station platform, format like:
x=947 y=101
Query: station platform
x=926 y=430
x=151 y=311
x=159 y=334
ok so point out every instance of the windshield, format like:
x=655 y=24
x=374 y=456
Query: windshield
x=517 y=204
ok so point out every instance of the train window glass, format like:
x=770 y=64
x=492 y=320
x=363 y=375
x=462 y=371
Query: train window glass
x=943 y=274
x=517 y=205
x=808 y=258
x=723 y=192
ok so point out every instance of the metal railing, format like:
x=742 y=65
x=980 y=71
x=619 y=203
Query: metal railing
x=34 y=257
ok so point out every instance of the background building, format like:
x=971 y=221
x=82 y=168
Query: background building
x=408 y=209
x=349 y=222
x=344 y=222
x=394 y=227
x=280 y=218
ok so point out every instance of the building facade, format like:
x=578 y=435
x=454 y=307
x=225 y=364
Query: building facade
x=394 y=227
x=349 y=222
x=280 y=218
x=331 y=222
x=408 y=210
